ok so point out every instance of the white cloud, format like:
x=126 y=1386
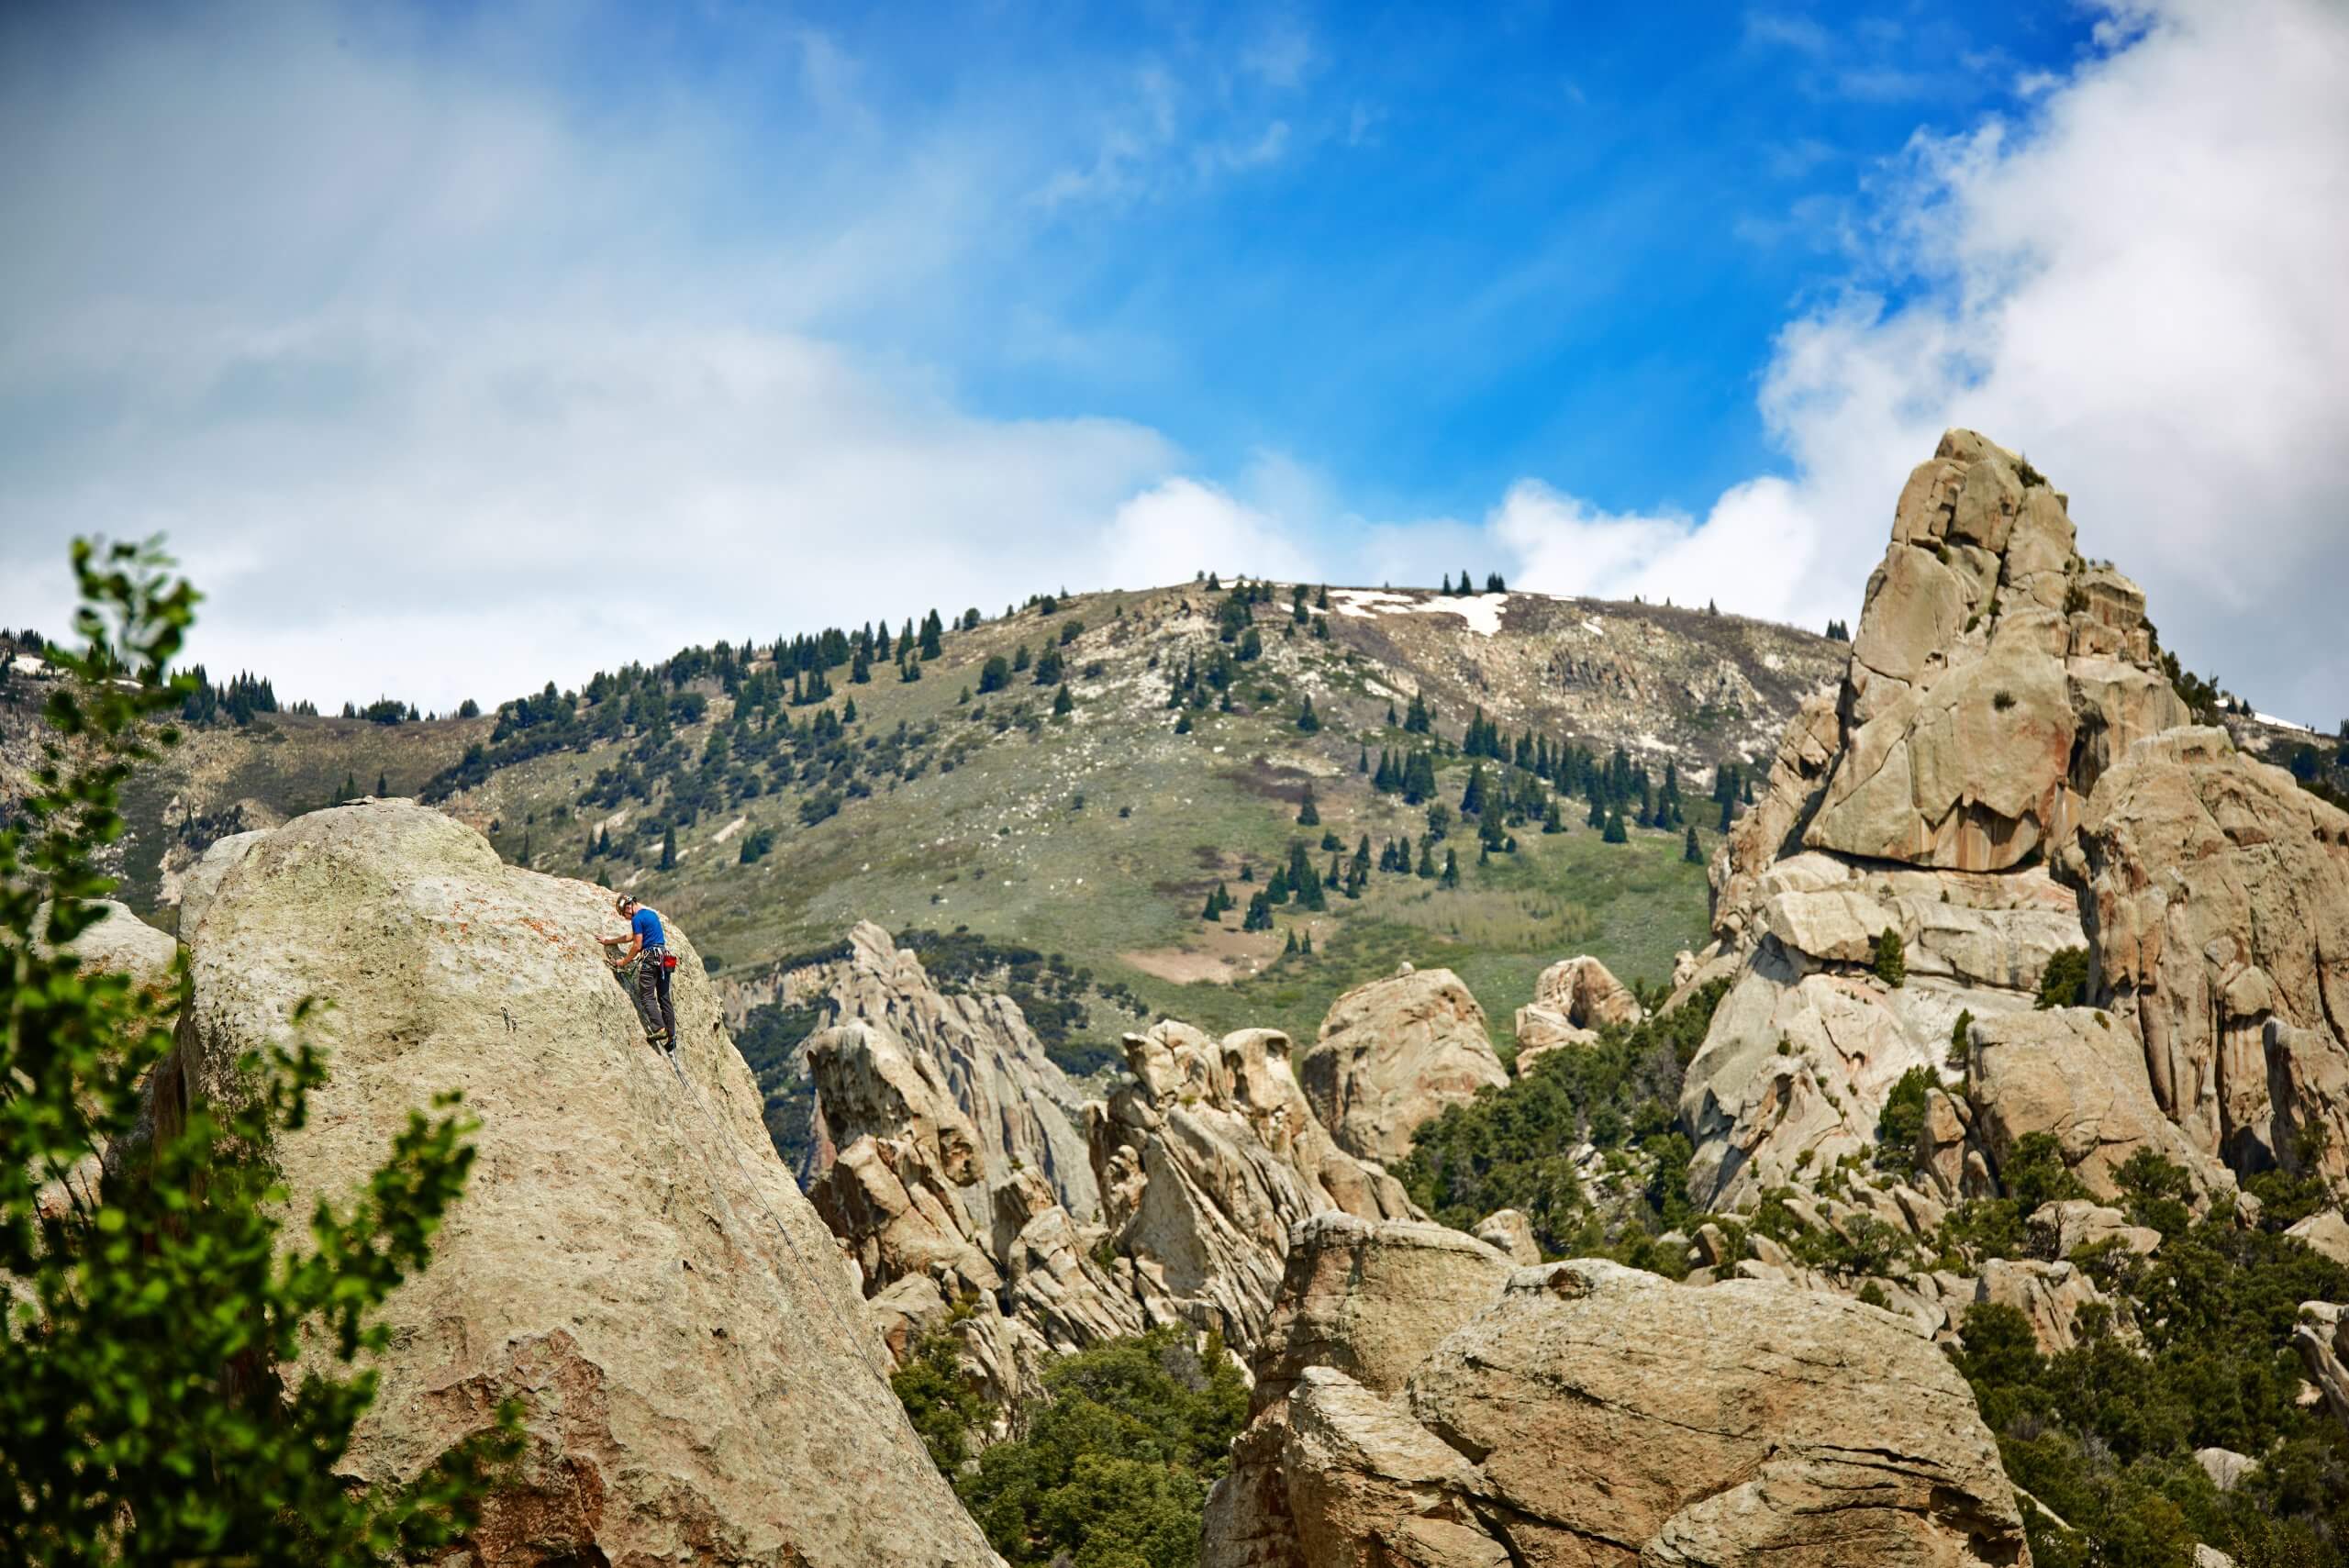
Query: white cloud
x=441 y=390
x=1182 y=527
x=2141 y=286
x=431 y=396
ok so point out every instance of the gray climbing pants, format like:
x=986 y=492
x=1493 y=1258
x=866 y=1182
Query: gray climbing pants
x=652 y=1003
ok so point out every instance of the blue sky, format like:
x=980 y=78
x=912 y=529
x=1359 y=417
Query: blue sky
x=405 y=322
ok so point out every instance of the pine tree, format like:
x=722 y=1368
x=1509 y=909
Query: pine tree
x=382 y=786
x=1259 y=915
x=1450 y=877
x=1247 y=872
x=1472 y=799
x=1688 y=850
x=1551 y=823
x=1307 y=720
x=1062 y=702
x=1183 y=724
x=668 y=849
x=1417 y=721
x=603 y=845
x=1391 y=719
x=1288 y=948
x=1218 y=902
x=1614 y=834
x=1309 y=814
x=1447 y=582
x=1362 y=762
x=1425 y=871
x=1305 y=946
x=933 y=633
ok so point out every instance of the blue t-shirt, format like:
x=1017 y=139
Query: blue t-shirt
x=647 y=926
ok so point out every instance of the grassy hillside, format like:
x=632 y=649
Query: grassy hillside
x=1097 y=834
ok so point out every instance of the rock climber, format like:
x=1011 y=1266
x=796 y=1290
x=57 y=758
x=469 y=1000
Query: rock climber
x=647 y=949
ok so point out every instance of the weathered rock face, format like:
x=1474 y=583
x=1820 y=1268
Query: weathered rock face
x=1392 y=1054
x=1572 y=1000
x=1206 y=1156
x=1595 y=1415
x=1363 y=1303
x=122 y=944
x=2216 y=894
x=1026 y=1111
x=631 y=1261
x=1994 y=678
x=2076 y=1074
x=1013 y=1291
x=1993 y=674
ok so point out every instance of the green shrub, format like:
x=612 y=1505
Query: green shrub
x=2065 y=984
x=1510 y=1146
x=1112 y=1470
x=1891 y=957
x=1900 y=1130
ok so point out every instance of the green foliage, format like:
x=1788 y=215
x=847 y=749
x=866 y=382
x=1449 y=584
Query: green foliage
x=2065 y=982
x=1900 y=1130
x=2031 y=1174
x=944 y=1406
x=1113 y=1470
x=769 y=1038
x=2104 y=1434
x=1512 y=1147
x=150 y=1310
x=1891 y=957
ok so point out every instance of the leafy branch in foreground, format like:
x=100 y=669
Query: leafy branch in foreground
x=150 y=1300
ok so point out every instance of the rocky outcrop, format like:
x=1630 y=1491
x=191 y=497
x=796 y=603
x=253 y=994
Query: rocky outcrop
x=1013 y=1291
x=2325 y=1233
x=1026 y=1111
x=2075 y=1073
x=2050 y=1297
x=1207 y=1155
x=1596 y=1415
x=1996 y=679
x=1361 y=1304
x=2216 y=894
x=1393 y=1053
x=1572 y=1000
x=2323 y=1339
x=631 y=1263
x=2059 y=1229
x=119 y=943
x=1509 y=1231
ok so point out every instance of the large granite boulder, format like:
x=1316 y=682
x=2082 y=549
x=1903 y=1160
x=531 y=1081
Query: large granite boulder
x=1572 y=1000
x=2216 y=896
x=1362 y=1303
x=2077 y=1075
x=1595 y=1415
x=1393 y=1053
x=631 y=1261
